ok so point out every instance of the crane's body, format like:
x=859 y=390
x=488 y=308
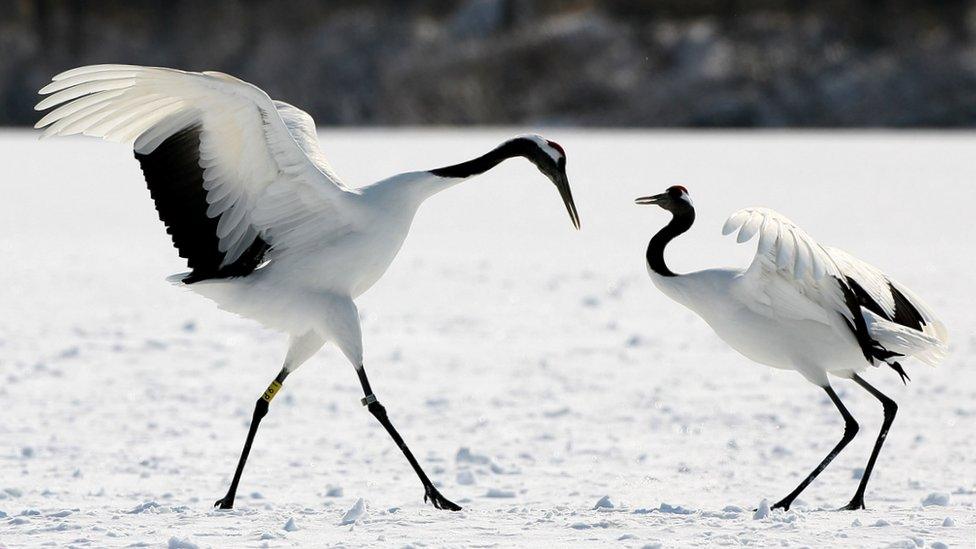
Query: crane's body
x=801 y=306
x=289 y=294
x=786 y=344
x=268 y=229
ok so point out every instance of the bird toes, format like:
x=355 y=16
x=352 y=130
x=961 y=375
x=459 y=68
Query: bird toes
x=856 y=504
x=222 y=503
x=438 y=501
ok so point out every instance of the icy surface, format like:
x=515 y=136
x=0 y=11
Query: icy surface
x=532 y=369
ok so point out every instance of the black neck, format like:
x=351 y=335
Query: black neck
x=680 y=222
x=508 y=149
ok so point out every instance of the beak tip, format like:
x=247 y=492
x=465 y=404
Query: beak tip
x=648 y=200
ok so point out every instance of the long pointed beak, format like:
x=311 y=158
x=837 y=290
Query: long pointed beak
x=646 y=200
x=562 y=183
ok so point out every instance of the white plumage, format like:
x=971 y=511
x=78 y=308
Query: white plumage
x=794 y=278
x=801 y=306
x=263 y=170
x=268 y=229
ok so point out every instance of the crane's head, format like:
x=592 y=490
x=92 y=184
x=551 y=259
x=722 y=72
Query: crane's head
x=675 y=199
x=550 y=158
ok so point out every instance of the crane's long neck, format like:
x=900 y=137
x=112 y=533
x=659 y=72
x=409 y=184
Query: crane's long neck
x=422 y=185
x=680 y=222
x=485 y=162
x=415 y=187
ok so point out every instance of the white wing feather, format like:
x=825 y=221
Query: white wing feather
x=791 y=276
x=906 y=341
x=263 y=170
x=875 y=283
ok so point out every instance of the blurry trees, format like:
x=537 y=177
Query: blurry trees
x=573 y=62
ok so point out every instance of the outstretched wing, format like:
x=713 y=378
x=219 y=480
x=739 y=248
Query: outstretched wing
x=236 y=177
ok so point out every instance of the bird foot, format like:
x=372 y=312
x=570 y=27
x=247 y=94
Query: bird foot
x=856 y=504
x=226 y=502
x=781 y=504
x=440 y=502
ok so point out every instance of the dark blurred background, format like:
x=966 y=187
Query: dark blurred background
x=733 y=63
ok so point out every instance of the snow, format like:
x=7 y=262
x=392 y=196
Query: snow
x=176 y=543
x=936 y=498
x=604 y=503
x=510 y=350
x=762 y=511
x=353 y=515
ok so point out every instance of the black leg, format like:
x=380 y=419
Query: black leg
x=260 y=410
x=890 y=409
x=379 y=412
x=850 y=429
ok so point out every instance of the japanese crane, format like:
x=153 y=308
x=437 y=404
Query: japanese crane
x=268 y=229
x=802 y=306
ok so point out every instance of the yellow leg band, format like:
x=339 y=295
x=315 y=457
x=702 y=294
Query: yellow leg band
x=271 y=391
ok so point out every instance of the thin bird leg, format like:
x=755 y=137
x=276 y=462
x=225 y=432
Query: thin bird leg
x=379 y=412
x=850 y=429
x=260 y=410
x=890 y=409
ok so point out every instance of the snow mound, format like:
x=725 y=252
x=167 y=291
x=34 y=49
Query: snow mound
x=762 y=511
x=465 y=455
x=147 y=507
x=604 y=503
x=675 y=509
x=936 y=498
x=499 y=493
x=355 y=513
x=177 y=543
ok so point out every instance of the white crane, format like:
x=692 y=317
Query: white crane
x=267 y=228
x=804 y=307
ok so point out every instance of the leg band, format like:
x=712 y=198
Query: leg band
x=368 y=399
x=271 y=391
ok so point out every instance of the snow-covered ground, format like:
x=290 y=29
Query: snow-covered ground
x=532 y=368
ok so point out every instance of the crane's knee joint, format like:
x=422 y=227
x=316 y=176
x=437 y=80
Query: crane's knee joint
x=851 y=428
x=890 y=407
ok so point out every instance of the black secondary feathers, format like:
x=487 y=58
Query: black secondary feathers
x=175 y=180
x=905 y=314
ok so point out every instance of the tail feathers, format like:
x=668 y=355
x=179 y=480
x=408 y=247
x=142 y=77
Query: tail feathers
x=902 y=340
x=933 y=326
